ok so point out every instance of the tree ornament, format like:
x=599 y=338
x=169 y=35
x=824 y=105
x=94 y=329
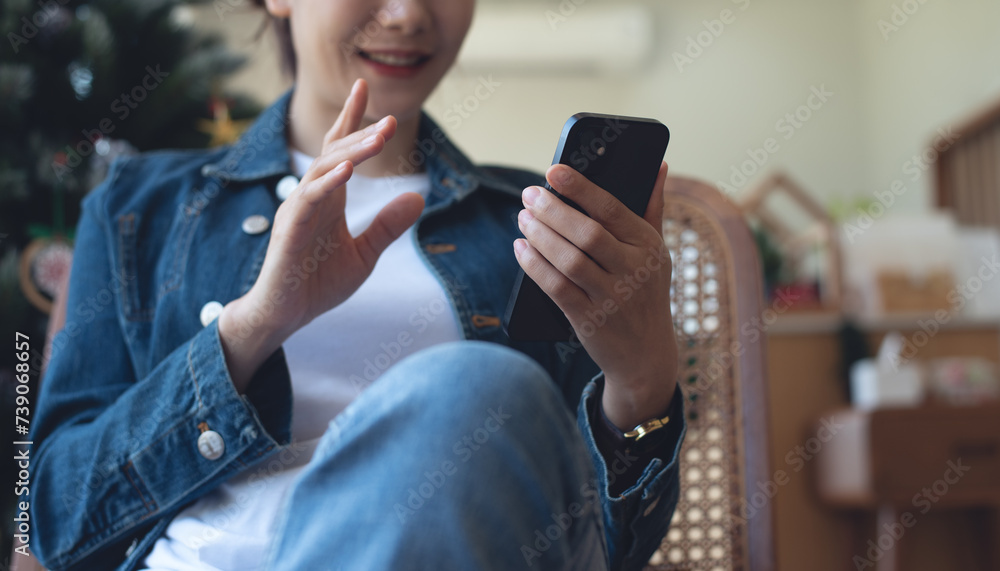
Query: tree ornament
x=44 y=269
x=81 y=79
x=222 y=128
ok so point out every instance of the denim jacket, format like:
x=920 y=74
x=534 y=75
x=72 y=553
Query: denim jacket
x=134 y=372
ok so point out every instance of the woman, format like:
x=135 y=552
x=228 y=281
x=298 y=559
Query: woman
x=212 y=401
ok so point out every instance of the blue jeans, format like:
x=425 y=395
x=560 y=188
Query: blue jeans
x=461 y=456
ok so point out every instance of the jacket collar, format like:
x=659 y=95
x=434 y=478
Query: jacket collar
x=262 y=153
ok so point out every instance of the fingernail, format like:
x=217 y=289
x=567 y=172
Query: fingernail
x=562 y=176
x=341 y=167
x=383 y=122
x=370 y=140
x=519 y=246
x=529 y=195
x=524 y=217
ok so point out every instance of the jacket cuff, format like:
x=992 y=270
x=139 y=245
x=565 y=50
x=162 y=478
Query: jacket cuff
x=637 y=518
x=249 y=425
x=626 y=463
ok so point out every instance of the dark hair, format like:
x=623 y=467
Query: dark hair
x=283 y=32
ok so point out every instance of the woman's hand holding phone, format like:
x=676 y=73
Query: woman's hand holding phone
x=610 y=274
x=310 y=223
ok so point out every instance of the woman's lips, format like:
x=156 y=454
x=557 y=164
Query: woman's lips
x=394 y=63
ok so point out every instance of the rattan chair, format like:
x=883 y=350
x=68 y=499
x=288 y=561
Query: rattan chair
x=723 y=520
x=716 y=292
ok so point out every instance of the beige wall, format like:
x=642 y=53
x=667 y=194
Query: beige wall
x=941 y=65
x=727 y=100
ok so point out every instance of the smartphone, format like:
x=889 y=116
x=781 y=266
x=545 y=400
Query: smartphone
x=622 y=155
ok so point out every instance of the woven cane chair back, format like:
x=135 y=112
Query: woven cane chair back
x=716 y=293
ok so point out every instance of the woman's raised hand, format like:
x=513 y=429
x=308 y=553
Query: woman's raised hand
x=312 y=262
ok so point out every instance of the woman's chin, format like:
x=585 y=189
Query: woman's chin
x=402 y=111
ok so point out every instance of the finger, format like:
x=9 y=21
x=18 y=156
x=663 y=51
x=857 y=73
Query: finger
x=654 y=210
x=561 y=289
x=351 y=115
x=356 y=147
x=323 y=187
x=301 y=206
x=582 y=231
x=599 y=204
x=389 y=224
x=561 y=253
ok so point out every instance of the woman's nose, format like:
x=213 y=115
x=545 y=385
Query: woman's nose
x=406 y=16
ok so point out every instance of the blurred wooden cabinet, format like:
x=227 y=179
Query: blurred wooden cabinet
x=805 y=385
x=902 y=463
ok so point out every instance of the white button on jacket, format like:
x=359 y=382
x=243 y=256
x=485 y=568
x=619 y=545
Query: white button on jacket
x=286 y=187
x=211 y=445
x=256 y=224
x=210 y=311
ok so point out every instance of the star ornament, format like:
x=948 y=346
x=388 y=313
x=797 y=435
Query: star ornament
x=222 y=128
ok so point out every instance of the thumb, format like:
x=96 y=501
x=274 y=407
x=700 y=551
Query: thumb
x=654 y=210
x=394 y=218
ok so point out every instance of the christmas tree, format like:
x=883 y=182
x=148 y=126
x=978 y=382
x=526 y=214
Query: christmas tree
x=82 y=83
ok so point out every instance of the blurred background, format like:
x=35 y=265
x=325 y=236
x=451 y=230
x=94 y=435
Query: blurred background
x=861 y=139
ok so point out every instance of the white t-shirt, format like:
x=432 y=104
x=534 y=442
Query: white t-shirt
x=400 y=309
